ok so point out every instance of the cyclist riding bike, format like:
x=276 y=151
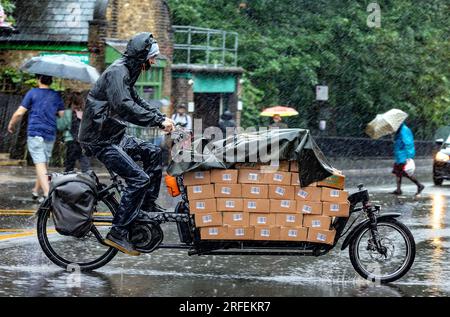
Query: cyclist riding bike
x=111 y=103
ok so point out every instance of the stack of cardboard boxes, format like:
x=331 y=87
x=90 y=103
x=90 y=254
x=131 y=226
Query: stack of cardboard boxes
x=263 y=202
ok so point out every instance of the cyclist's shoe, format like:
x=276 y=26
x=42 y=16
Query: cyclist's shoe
x=120 y=241
x=34 y=195
x=154 y=207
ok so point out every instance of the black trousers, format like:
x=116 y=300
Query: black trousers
x=74 y=154
x=142 y=183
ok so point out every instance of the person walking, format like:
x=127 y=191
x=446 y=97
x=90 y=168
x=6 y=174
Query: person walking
x=43 y=105
x=403 y=151
x=70 y=125
x=181 y=118
x=226 y=122
x=277 y=122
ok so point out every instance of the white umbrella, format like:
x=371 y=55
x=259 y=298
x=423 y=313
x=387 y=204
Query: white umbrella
x=62 y=66
x=386 y=123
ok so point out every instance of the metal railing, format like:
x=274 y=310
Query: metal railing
x=217 y=47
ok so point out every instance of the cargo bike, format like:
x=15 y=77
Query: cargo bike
x=381 y=248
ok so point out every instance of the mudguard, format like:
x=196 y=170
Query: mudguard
x=364 y=224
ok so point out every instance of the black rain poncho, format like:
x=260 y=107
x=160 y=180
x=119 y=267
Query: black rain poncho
x=113 y=100
x=263 y=146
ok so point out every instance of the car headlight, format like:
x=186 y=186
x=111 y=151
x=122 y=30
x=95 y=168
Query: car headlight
x=441 y=157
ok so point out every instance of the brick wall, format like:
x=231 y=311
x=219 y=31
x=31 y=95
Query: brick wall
x=128 y=17
x=182 y=92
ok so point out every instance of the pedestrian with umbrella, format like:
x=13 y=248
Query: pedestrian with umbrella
x=43 y=105
x=277 y=113
x=404 y=150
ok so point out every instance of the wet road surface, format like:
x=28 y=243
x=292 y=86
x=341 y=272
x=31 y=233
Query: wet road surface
x=25 y=271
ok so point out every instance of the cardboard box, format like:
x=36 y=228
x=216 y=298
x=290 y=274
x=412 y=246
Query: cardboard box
x=283 y=206
x=240 y=233
x=295 y=180
x=336 y=209
x=262 y=219
x=256 y=205
x=289 y=220
x=227 y=190
x=318 y=222
x=309 y=207
x=251 y=177
x=255 y=191
x=277 y=178
x=321 y=236
x=200 y=191
x=202 y=205
x=208 y=219
x=293 y=166
x=267 y=233
x=224 y=176
x=334 y=181
x=293 y=234
x=197 y=178
x=281 y=192
x=230 y=204
x=236 y=219
x=213 y=233
x=334 y=195
x=308 y=193
x=275 y=166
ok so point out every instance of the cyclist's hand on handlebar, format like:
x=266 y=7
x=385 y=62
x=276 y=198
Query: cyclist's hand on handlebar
x=168 y=125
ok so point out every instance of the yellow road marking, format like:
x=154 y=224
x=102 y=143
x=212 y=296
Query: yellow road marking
x=27 y=212
x=24 y=234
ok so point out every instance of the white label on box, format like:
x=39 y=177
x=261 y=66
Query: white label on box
x=316 y=223
x=292 y=233
x=321 y=237
x=334 y=193
x=237 y=217
x=252 y=177
x=207 y=218
x=213 y=231
x=230 y=204
x=278 y=177
x=290 y=218
x=251 y=205
x=226 y=177
x=197 y=189
x=200 y=205
x=307 y=209
x=226 y=190
x=261 y=220
x=285 y=203
x=280 y=191
x=255 y=190
x=334 y=207
x=239 y=232
x=302 y=193
x=265 y=233
x=199 y=175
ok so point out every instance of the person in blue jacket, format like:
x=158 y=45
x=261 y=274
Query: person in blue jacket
x=403 y=150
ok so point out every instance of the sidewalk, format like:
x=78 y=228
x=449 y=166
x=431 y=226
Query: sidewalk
x=350 y=167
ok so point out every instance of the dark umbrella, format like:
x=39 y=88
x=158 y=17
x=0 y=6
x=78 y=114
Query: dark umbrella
x=62 y=66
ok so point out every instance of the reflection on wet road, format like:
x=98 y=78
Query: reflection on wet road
x=25 y=271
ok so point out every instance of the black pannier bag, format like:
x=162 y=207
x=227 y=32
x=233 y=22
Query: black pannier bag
x=74 y=197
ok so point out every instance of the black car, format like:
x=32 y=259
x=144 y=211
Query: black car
x=441 y=162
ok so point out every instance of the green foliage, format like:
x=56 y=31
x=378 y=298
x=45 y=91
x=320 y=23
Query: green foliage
x=288 y=47
x=8 y=7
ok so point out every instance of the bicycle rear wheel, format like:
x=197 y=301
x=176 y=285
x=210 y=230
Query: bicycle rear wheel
x=70 y=253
